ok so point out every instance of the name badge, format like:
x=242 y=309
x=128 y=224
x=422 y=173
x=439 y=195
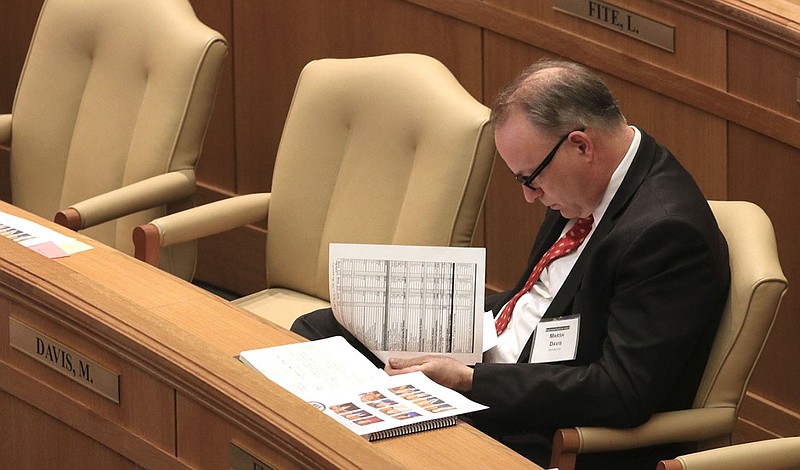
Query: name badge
x=556 y=339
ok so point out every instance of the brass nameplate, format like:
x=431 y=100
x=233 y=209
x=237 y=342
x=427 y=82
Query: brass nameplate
x=620 y=20
x=242 y=460
x=63 y=359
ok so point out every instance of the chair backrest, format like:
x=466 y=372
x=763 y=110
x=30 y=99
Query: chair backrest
x=757 y=287
x=112 y=92
x=385 y=150
x=771 y=454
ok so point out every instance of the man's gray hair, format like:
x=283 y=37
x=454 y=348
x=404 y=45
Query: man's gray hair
x=558 y=97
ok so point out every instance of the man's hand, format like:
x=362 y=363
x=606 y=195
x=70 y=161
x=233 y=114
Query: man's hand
x=441 y=369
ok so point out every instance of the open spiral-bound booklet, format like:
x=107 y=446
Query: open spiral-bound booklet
x=335 y=378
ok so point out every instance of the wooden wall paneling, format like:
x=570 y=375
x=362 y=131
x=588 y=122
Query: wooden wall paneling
x=760 y=418
x=764 y=75
x=21 y=442
x=774 y=22
x=696 y=138
x=139 y=428
x=697 y=43
x=144 y=413
x=217 y=165
x=765 y=171
x=204 y=437
x=17 y=22
x=713 y=99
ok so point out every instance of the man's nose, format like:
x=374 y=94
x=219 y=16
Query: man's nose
x=531 y=195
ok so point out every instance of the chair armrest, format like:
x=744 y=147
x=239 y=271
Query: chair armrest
x=5 y=131
x=198 y=222
x=152 y=192
x=770 y=454
x=674 y=426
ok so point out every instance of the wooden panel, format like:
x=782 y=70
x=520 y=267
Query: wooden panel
x=660 y=79
x=699 y=45
x=37 y=441
x=217 y=165
x=146 y=406
x=696 y=137
x=763 y=419
x=764 y=75
x=204 y=438
x=764 y=171
x=17 y=21
x=274 y=40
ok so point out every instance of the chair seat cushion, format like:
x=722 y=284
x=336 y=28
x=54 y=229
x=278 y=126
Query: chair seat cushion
x=280 y=306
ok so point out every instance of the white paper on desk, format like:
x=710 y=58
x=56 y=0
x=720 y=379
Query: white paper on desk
x=30 y=234
x=406 y=301
x=310 y=368
x=335 y=378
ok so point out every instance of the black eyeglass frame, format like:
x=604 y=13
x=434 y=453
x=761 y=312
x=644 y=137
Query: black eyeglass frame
x=527 y=181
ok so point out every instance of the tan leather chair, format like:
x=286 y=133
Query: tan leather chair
x=109 y=116
x=386 y=150
x=757 y=287
x=772 y=454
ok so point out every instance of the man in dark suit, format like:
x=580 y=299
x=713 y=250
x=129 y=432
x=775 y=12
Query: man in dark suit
x=619 y=325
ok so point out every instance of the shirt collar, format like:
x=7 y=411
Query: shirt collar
x=617 y=176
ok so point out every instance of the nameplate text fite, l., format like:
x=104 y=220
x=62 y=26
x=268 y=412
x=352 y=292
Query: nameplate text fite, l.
x=60 y=358
x=621 y=20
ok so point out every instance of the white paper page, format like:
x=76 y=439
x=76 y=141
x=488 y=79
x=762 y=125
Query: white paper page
x=28 y=233
x=315 y=366
x=406 y=301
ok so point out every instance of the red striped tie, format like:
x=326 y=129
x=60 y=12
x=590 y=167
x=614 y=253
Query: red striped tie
x=564 y=245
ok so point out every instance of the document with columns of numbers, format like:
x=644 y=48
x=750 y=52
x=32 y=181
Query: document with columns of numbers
x=406 y=301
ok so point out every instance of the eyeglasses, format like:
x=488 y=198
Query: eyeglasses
x=527 y=181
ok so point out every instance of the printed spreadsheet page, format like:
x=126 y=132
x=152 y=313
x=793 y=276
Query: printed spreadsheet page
x=404 y=301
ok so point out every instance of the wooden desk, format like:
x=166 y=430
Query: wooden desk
x=183 y=397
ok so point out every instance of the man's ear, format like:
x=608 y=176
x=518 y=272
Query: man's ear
x=583 y=142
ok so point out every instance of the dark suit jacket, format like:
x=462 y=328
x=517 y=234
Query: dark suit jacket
x=649 y=286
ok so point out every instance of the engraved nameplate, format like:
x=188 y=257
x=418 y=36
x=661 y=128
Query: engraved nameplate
x=242 y=460
x=620 y=20
x=63 y=359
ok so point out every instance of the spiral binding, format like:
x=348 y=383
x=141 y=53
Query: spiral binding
x=416 y=427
